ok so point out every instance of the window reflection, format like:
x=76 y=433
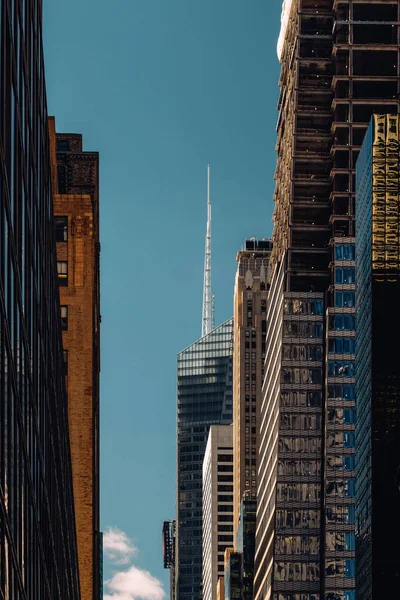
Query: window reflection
x=307 y=306
x=297 y=544
x=345 y=276
x=289 y=571
x=342 y=391
x=345 y=299
x=345 y=252
x=341 y=416
x=300 y=444
x=298 y=492
x=301 y=352
x=301 y=398
x=340 y=514
x=341 y=368
x=306 y=519
x=298 y=375
x=303 y=329
x=342 y=322
x=341 y=345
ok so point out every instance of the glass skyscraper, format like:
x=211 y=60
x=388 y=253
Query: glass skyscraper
x=38 y=554
x=204 y=399
x=339 y=65
x=378 y=374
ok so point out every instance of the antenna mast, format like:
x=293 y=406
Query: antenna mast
x=206 y=323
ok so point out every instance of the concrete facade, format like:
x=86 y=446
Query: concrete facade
x=217 y=505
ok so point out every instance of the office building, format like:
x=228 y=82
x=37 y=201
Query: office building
x=250 y=310
x=204 y=399
x=378 y=378
x=168 y=548
x=233 y=575
x=75 y=175
x=246 y=543
x=339 y=65
x=217 y=505
x=38 y=550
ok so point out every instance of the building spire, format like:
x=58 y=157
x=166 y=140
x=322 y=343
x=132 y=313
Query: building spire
x=207 y=300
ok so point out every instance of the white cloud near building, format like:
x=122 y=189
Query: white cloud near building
x=132 y=583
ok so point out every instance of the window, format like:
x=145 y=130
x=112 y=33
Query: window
x=346 y=276
x=61 y=226
x=341 y=345
x=62 y=271
x=341 y=369
x=345 y=252
x=65 y=356
x=62 y=145
x=342 y=322
x=64 y=318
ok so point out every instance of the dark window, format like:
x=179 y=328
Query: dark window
x=64 y=318
x=62 y=145
x=61 y=225
x=65 y=356
x=225 y=458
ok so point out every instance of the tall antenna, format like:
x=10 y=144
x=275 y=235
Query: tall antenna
x=207 y=316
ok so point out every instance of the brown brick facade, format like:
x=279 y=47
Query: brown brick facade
x=75 y=176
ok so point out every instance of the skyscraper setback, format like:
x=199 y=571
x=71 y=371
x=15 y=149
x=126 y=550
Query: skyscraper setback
x=339 y=65
x=38 y=549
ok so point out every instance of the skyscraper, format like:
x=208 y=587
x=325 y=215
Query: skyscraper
x=38 y=550
x=339 y=65
x=250 y=310
x=217 y=505
x=75 y=176
x=246 y=542
x=169 y=551
x=204 y=399
x=378 y=379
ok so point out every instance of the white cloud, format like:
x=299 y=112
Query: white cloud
x=133 y=584
x=118 y=546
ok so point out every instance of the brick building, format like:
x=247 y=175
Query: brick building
x=75 y=180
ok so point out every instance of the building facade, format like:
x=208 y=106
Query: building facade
x=75 y=175
x=233 y=575
x=169 y=551
x=250 y=310
x=204 y=399
x=378 y=380
x=38 y=549
x=339 y=64
x=246 y=543
x=217 y=505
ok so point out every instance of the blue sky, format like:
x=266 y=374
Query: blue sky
x=160 y=88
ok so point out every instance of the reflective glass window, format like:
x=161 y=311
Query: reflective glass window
x=349 y=488
x=350 y=568
x=349 y=439
x=341 y=369
x=345 y=276
x=349 y=416
x=349 y=462
x=349 y=300
x=350 y=541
